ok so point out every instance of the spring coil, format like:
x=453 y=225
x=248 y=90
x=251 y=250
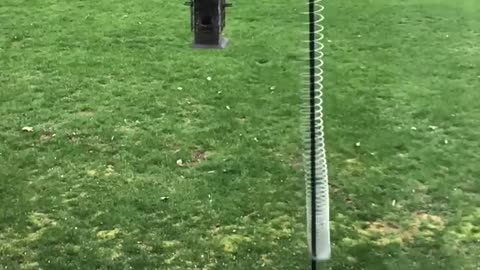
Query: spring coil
x=316 y=174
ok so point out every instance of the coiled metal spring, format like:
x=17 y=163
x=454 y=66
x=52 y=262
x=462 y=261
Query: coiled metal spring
x=316 y=173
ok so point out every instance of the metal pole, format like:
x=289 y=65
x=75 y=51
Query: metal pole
x=313 y=173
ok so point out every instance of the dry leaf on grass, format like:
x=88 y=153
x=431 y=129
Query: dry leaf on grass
x=180 y=162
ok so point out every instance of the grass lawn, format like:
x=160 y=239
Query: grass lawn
x=115 y=97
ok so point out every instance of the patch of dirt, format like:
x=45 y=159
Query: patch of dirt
x=232 y=242
x=424 y=222
x=378 y=227
x=422 y=225
x=197 y=157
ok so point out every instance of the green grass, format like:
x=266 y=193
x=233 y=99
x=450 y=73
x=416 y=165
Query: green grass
x=96 y=184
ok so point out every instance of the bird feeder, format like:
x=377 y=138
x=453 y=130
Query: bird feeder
x=207 y=23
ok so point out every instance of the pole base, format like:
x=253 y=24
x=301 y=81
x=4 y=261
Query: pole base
x=221 y=45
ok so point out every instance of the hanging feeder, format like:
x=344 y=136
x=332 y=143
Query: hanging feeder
x=208 y=22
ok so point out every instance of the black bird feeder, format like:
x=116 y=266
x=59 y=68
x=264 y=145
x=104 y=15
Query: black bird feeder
x=208 y=22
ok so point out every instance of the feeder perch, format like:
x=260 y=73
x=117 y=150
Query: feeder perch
x=207 y=23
